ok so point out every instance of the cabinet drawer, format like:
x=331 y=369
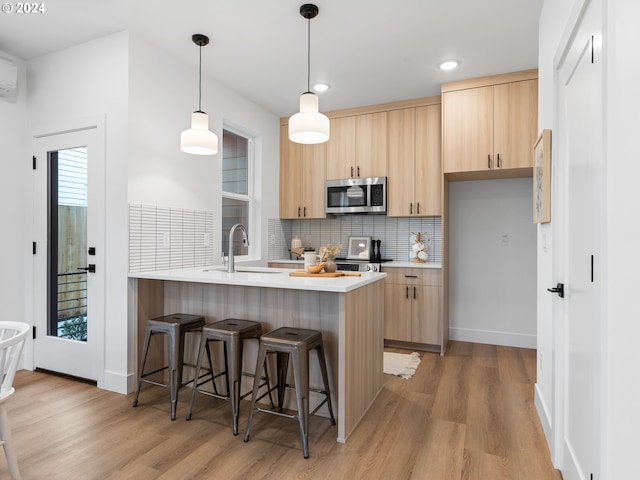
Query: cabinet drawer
x=414 y=276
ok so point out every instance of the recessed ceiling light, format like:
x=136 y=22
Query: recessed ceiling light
x=449 y=65
x=321 y=87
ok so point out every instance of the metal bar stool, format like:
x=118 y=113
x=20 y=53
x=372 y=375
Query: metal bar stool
x=232 y=332
x=298 y=342
x=175 y=326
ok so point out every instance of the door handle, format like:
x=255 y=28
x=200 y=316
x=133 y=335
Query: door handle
x=559 y=289
x=91 y=268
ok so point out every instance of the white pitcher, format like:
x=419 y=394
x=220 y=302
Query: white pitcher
x=310 y=258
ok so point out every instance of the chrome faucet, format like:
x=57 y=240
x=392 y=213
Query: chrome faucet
x=245 y=242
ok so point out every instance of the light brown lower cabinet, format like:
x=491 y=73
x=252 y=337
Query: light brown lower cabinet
x=413 y=305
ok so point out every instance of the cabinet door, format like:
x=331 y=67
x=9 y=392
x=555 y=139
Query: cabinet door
x=371 y=145
x=397 y=312
x=426 y=314
x=341 y=149
x=402 y=172
x=290 y=173
x=515 y=123
x=428 y=161
x=467 y=125
x=312 y=180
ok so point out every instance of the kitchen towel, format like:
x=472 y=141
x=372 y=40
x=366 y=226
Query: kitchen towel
x=401 y=364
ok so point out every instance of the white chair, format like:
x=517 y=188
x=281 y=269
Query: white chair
x=12 y=337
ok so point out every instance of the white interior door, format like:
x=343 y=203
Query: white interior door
x=69 y=262
x=579 y=240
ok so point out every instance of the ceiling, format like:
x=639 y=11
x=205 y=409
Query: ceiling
x=368 y=51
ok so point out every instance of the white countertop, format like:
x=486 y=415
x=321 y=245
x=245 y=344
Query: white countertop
x=262 y=277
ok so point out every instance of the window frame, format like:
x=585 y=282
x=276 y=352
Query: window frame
x=249 y=197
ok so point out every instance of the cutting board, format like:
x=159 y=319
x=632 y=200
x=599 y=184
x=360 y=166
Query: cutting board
x=302 y=273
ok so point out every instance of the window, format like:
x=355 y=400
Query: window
x=236 y=188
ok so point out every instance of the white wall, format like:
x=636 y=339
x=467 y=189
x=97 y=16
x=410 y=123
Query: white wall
x=492 y=285
x=90 y=80
x=621 y=395
x=14 y=160
x=553 y=19
x=163 y=93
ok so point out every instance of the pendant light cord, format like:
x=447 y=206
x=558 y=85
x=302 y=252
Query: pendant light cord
x=200 y=82
x=308 y=54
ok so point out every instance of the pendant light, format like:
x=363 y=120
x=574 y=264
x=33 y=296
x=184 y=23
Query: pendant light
x=199 y=140
x=309 y=125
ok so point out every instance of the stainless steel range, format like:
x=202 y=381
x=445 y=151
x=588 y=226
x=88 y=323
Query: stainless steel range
x=359 y=265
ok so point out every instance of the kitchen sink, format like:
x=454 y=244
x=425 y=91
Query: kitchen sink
x=244 y=270
x=240 y=270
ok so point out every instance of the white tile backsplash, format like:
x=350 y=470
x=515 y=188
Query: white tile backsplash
x=395 y=234
x=163 y=238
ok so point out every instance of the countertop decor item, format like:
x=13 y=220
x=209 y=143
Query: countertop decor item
x=418 y=253
x=198 y=139
x=359 y=248
x=328 y=254
x=309 y=126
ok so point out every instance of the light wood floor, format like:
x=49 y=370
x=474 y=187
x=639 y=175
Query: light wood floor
x=469 y=415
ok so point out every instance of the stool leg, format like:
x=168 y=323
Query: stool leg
x=213 y=380
x=325 y=379
x=282 y=363
x=262 y=353
x=301 y=376
x=174 y=375
x=266 y=376
x=234 y=378
x=145 y=349
x=203 y=346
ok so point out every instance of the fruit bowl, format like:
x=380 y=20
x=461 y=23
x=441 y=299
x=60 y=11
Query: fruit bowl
x=315 y=268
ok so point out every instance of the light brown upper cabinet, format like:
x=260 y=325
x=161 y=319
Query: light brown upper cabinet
x=302 y=176
x=357 y=147
x=490 y=124
x=415 y=167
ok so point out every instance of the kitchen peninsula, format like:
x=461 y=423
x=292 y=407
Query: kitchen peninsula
x=349 y=311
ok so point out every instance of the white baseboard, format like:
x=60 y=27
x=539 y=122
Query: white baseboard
x=545 y=418
x=506 y=339
x=118 y=383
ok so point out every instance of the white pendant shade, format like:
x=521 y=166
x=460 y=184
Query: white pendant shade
x=308 y=126
x=199 y=140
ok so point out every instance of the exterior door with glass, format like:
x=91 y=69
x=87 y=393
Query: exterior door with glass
x=69 y=253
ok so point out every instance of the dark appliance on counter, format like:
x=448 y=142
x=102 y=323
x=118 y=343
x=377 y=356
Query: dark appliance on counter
x=356 y=195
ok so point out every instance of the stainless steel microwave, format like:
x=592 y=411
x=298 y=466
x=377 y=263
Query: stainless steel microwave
x=356 y=195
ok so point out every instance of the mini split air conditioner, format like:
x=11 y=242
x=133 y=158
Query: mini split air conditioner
x=8 y=77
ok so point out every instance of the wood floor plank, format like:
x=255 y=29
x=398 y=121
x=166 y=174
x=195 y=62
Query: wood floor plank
x=468 y=415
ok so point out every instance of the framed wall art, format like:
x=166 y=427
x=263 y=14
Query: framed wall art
x=542 y=178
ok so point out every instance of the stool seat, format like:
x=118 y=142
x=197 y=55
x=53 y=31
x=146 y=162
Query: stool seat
x=294 y=343
x=233 y=332
x=292 y=337
x=175 y=326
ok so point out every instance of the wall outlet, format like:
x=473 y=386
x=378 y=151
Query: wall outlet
x=504 y=240
x=540 y=361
